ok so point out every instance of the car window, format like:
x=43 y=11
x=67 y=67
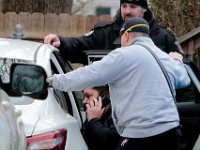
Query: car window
x=64 y=97
x=5 y=64
x=78 y=95
x=59 y=95
x=61 y=100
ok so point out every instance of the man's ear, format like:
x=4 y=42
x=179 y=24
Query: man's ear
x=126 y=37
x=144 y=10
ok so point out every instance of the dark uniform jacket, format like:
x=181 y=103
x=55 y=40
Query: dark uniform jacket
x=100 y=134
x=102 y=37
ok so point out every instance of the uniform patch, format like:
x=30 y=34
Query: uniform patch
x=89 y=33
x=124 y=142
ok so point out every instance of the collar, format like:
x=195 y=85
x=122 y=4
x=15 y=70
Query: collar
x=141 y=40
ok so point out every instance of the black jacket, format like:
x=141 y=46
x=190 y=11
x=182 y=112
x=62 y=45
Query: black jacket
x=102 y=37
x=100 y=134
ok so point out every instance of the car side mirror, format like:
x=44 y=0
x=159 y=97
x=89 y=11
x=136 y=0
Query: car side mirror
x=28 y=80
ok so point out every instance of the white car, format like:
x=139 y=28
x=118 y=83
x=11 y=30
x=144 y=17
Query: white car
x=52 y=118
x=12 y=135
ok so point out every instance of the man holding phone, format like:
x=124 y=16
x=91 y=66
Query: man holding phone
x=98 y=130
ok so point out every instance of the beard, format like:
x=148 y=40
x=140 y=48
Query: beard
x=127 y=16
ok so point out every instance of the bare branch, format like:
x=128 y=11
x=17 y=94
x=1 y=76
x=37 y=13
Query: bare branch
x=79 y=4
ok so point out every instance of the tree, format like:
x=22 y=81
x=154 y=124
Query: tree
x=180 y=16
x=78 y=4
x=44 y=6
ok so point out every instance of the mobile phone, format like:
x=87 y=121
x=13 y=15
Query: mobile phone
x=105 y=100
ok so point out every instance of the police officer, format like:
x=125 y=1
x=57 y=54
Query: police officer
x=103 y=37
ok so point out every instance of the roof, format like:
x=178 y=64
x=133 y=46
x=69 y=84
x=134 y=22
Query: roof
x=15 y=48
x=189 y=35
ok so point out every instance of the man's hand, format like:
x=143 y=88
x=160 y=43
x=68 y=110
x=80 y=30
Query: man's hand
x=52 y=39
x=94 y=109
x=176 y=55
x=50 y=80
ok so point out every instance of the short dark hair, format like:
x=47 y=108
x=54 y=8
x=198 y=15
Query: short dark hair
x=102 y=90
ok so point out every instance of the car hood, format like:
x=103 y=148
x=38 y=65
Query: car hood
x=30 y=116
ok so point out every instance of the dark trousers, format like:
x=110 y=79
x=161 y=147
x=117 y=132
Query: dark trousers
x=165 y=141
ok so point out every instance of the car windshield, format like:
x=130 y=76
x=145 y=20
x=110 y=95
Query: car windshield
x=5 y=64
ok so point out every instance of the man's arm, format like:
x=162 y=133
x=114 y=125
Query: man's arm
x=172 y=43
x=181 y=77
x=72 y=48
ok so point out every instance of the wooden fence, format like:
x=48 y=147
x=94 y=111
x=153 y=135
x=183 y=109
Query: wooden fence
x=37 y=25
x=31 y=6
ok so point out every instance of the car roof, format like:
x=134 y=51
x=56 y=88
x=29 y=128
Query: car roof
x=23 y=51
x=16 y=48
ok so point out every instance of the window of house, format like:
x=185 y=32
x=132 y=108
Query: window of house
x=103 y=11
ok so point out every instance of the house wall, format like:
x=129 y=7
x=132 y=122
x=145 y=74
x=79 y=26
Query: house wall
x=191 y=48
x=90 y=7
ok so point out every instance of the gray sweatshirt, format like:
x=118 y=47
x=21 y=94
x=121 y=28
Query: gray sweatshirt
x=142 y=104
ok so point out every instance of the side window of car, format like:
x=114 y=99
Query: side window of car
x=60 y=96
x=66 y=67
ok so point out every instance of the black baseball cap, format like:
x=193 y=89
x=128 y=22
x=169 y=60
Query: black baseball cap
x=135 y=24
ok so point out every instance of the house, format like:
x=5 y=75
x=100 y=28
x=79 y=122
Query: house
x=190 y=43
x=100 y=7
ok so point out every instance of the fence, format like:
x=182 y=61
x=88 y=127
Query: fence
x=37 y=25
x=31 y=6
